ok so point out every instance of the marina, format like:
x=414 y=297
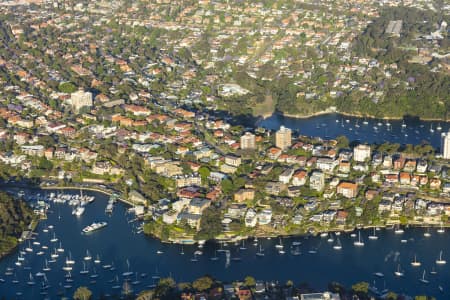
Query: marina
x=103 y=262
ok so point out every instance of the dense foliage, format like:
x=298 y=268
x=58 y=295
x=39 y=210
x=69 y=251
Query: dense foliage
x=15 y=216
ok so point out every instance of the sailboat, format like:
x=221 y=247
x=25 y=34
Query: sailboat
x=88 y=255
x=97 y=260
x=214 y=258
x=46 y=268
x=439 y=128
x=338 y=245
x=399 y=273
x=94 y=274
x=182 y=250
x=243 y=246
x=423 y=280
x=373 y=236
x=128 y=272
x=31 y=280
x=431 y=128
x=427 y=233
x=441 y=230
x=398 y=229
x=415 y=263
x=54 y=239
x=440 y=261
x=60 y=249
x=260 y=253
x=67 y=267
x=136 y=281
x=280 y=245
x=84 y=271
x=54 y=255
x=330 y=239
x=117 y=285
x=359 y=242
x=29 y=248
x=403 y=124
x=69 y=260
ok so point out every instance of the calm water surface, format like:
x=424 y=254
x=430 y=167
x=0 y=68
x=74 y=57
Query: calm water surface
x=117 y=243
x=374 y=131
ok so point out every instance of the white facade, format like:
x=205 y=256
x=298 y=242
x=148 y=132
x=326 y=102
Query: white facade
x=446 y=146
x=361 y=153
x=80 y=99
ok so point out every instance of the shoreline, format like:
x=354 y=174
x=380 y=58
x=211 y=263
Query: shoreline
x=347 y=114
x=238 y=238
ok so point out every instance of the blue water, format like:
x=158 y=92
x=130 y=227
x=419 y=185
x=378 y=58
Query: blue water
x=117 y=243
x=325 y=126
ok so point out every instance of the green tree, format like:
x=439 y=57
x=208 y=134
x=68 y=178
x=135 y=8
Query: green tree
x=210 y=225
x=204 y=173
x=165 y=288
x=342 y=141
x=249 y=281
x=82 y=293
x=203 y=283
x=67 y=87
x=361 y=289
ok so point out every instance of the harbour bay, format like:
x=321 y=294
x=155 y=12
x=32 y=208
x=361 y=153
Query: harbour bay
x=348 y=265
x=365 y=130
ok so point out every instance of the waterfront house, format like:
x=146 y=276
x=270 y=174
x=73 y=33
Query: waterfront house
x=410 y=165
x=399 y=163
x=384 y=205
x=326 y=164
x=198 y=205
x=251 y=218
x=136 y=198
x=265 y=217
x=237 y=210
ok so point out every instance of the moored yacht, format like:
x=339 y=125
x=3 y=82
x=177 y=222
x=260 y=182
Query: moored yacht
x=440 y=261
x=359 y=242
x=415 y=263
x=373 y=236
x=399 y=272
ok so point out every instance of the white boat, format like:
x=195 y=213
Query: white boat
x=78 y=211
x=128 y=272
x=353 y=235
x=373 y=236
x=159 y=252
x=54 y=255
x=280 y=245
x=260 y=253
x=40 y=253
x=431 y=128
x=441 y=229
x=88 y=256
x=84 y=271
x=399 y=273
x=338 y=245
x=403 y=241
x=69 y=260
x=439 y=128
x=20 y=257
x=403 y=124
x=378 y=274
x=46 y=268
x=243 y=246
x=440 y=261
x=60 y=249
x=97 y=259
x=415 y=263
x=323 y=234
x=359 y=242
x=398 y=230
x=330 y=239
x=296 y=243
x=31 y=280
x=94 y=226
x=54 y=239
x=214 y=258
x=423 y=280
x=39 y=274
x=427 y=233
